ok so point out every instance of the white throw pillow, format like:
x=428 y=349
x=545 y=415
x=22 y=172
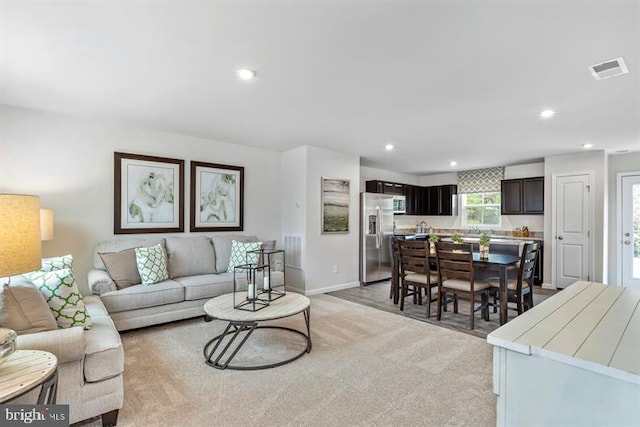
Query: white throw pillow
x=152 y=264
x=57 y=263
x=60 y=289
x=239 y=254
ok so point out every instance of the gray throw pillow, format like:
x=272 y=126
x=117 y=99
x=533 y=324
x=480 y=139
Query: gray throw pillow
x=24 y=309
x=122 y=267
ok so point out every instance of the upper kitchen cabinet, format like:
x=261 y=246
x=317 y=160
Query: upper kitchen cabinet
x=384 y=187
x=524 y=196
x=448 y=200
x=439 y=200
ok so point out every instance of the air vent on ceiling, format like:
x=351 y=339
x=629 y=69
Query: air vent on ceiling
x=611 y=68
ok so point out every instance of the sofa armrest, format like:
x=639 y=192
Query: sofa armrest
x=66 y=344
x=100 y=282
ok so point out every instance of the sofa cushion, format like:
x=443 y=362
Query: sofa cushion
x=140 y=296
x=24 y=309
x=104 y=355
x=119 y=245
x=222 y=248
x=190 y=256
x=57 y=263
x=122 y=267
x=152 y=264
x=61 y=292
x=206 y=285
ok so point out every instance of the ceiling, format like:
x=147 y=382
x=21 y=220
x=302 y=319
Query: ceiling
x=442 y=81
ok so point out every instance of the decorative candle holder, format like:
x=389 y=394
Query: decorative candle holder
x=249 y=301
x=271 y=289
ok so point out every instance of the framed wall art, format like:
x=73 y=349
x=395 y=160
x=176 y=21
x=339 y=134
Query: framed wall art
x=335 y=205
x=217 y=197
x=148 y=194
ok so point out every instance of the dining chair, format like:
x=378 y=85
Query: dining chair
x=456 y=277
x=394 y=288
x=520 y=288
x=415 y=272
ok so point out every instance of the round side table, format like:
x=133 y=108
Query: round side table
x=26 y=370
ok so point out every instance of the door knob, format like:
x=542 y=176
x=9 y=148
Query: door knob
x=627 y=242
x=560 y=237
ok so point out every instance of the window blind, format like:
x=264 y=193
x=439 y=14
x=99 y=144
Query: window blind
x=480 y=180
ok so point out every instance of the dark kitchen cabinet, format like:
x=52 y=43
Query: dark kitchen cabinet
x=435 y=200
x=533 y=195
x=441 y=200
x=522 y=196
x=385 y=187
x=410 y=199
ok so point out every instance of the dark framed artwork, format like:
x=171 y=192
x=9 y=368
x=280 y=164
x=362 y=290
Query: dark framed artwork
x=335 y=205
x=148 y=194
x=217 y=197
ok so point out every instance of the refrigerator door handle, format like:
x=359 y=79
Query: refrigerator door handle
x=379 y=225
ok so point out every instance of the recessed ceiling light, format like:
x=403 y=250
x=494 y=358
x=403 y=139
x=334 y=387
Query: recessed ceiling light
x=245 y=73
x=453 y=163
x=388 y=147
x=587 y=146
x=547 y=114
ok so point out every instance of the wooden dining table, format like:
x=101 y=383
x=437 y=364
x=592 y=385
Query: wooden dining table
x=496 y=263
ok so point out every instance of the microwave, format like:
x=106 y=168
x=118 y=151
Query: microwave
x=399 y=205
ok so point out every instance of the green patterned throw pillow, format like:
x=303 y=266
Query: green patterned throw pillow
x=152 y=264
x=60 y=289
x=239 y=254
x=57 y=263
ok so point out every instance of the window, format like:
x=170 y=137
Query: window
x=480 y=209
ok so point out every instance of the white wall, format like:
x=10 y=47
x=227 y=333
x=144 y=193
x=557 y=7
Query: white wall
x=324 y=251
x=294 y=208
x=590 y=161
x=618 y=163
x=368 y=173
x=69 y=163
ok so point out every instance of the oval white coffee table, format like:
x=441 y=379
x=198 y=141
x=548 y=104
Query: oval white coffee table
x=241 y=321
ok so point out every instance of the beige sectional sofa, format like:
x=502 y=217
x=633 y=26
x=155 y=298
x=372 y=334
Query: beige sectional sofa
x=197 y=267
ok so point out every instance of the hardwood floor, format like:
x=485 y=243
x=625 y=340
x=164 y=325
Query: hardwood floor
x=377 y=296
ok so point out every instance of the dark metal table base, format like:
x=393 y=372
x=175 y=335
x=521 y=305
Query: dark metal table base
x=234 y=329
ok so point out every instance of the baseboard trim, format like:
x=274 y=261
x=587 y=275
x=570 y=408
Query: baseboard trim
x=332 y=288
x=548 y=286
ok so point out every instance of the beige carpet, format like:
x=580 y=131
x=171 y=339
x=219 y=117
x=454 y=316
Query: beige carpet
x=367 y=368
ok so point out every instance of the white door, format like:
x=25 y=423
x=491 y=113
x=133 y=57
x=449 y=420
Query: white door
x=572 y=207
x=630 y=222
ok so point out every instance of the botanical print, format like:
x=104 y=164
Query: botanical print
x=217 y=197
x=150 y=194
x=335 y=205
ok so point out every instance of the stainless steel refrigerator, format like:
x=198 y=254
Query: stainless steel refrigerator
x=376 y=233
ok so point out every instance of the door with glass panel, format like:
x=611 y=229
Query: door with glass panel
x=630 y=226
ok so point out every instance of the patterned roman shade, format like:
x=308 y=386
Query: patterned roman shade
x=480 y=180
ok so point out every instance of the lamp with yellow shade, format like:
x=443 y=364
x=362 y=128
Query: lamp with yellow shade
x=20 y=247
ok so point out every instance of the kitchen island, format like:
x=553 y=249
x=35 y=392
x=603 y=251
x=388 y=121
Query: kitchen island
x=571 y=360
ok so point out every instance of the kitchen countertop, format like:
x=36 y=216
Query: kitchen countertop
x=535 y=235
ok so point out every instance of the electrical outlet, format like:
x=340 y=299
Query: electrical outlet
x=336 y=269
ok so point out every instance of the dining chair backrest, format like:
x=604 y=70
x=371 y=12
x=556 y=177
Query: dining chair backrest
x=454 y=261
x=528 y=263
x=414 y=256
